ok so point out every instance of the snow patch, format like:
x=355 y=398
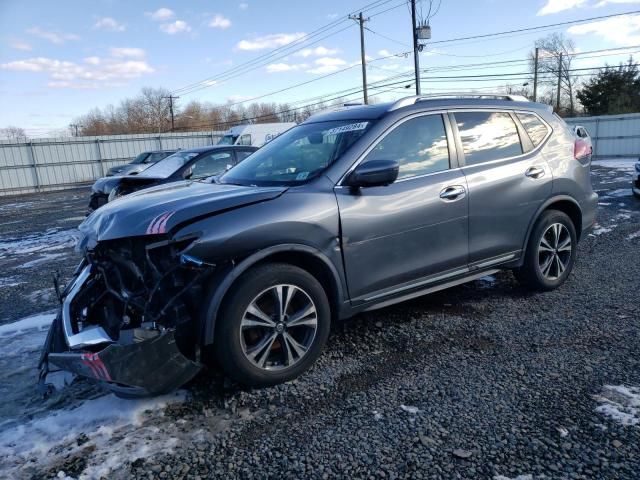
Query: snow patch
x=410 y=409
x=9 y=282
x=620 y=403
x=599 y=230
x=17 y=206
x=619 y=164
x=527 y=476
x=620 y=192
x=38 y=322
x=633 y=235
x=52 y=239
x=45 y=258
x=107 y=431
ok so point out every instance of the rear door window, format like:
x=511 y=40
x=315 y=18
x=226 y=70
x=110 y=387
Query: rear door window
x=419 y=145
x=487 y=136
x=535 y=128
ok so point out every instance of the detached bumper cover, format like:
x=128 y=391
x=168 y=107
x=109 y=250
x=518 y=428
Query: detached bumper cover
x=147 y=367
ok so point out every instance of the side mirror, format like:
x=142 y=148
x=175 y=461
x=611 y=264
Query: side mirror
x=374 y=173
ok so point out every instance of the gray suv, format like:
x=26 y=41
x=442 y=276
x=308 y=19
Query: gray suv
x=352 y=210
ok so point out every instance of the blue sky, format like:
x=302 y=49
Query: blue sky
x=59 y=59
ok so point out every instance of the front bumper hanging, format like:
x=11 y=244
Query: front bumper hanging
x=151 y=365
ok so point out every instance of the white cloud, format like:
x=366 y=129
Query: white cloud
x=161 y=14
x=555 y=6
x=219 y=21
x=318 y=51
x=120 y=52
x=269 y=41
x=95 y=73
x=243 y=6
x=330 y=61
x=178 y=26
x=602 y=3
x=384 y=53
x=332 y=16
x=53 y=37
x=620 y=30
x=237 y=98
x=20 y=45
x=327 y=65
x=285 y=67
x=108 y=23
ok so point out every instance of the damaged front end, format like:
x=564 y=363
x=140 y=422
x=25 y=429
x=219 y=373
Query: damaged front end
x=129 y=318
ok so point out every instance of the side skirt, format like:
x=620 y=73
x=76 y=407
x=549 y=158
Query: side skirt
x=373 y=305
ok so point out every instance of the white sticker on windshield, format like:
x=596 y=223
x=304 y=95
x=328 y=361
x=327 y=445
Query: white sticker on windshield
x=302 y=176
x=347 y=128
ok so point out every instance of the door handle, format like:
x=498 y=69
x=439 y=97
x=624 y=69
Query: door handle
x=453 y=193
x=534 y=172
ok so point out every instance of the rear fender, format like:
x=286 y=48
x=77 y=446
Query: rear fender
x=542 y=208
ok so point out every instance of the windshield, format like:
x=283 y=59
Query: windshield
x=228 y=140
x=297 y=155
x=164 y=168
x=140 y=158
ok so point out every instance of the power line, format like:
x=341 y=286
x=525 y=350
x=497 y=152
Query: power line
x=485 y=35
x=300 y=42
x=474 y=78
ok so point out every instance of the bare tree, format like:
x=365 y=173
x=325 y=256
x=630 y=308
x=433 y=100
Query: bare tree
x=551 y=48
x=12 y=132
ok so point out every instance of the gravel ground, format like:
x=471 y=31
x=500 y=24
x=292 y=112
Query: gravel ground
x=485 y=380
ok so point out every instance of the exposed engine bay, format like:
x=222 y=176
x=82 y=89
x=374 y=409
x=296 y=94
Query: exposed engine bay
x=130 y=318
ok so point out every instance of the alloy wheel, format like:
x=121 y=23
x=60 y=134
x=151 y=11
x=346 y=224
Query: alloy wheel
x=278 y=327
x=554 y=251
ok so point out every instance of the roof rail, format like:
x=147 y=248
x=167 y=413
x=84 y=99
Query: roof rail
x=403 y=102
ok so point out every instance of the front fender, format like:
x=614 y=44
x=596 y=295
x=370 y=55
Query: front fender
x=220 y=287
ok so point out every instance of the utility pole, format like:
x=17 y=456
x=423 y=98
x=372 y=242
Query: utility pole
x=75 y=127
x=559 y=81
x=416 y=59
x=360 y=19
x=535 y=77
x=171 y=99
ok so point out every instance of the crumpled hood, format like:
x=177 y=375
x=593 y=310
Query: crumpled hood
x=156 y=210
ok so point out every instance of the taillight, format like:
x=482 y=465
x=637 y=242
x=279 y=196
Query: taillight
x=581 y=149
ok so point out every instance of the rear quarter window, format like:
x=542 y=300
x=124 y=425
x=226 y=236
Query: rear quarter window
x=535 y=128
x=487 y=136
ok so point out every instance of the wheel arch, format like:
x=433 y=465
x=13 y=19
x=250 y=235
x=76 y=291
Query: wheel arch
x=308 y=258
x=563 y=203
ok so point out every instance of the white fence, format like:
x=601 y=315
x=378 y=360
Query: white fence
x=613 y=136
x=56 y=163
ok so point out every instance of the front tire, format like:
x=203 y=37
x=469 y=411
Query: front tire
x=550 y=253
x=272 y=325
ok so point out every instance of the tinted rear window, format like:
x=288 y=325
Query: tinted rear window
x=487 y=136
x=534 y=127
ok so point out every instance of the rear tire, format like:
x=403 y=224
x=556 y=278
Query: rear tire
x=272 y=325
x=550 y=253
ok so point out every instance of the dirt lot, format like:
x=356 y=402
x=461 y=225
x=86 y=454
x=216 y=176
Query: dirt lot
x=485 y=380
